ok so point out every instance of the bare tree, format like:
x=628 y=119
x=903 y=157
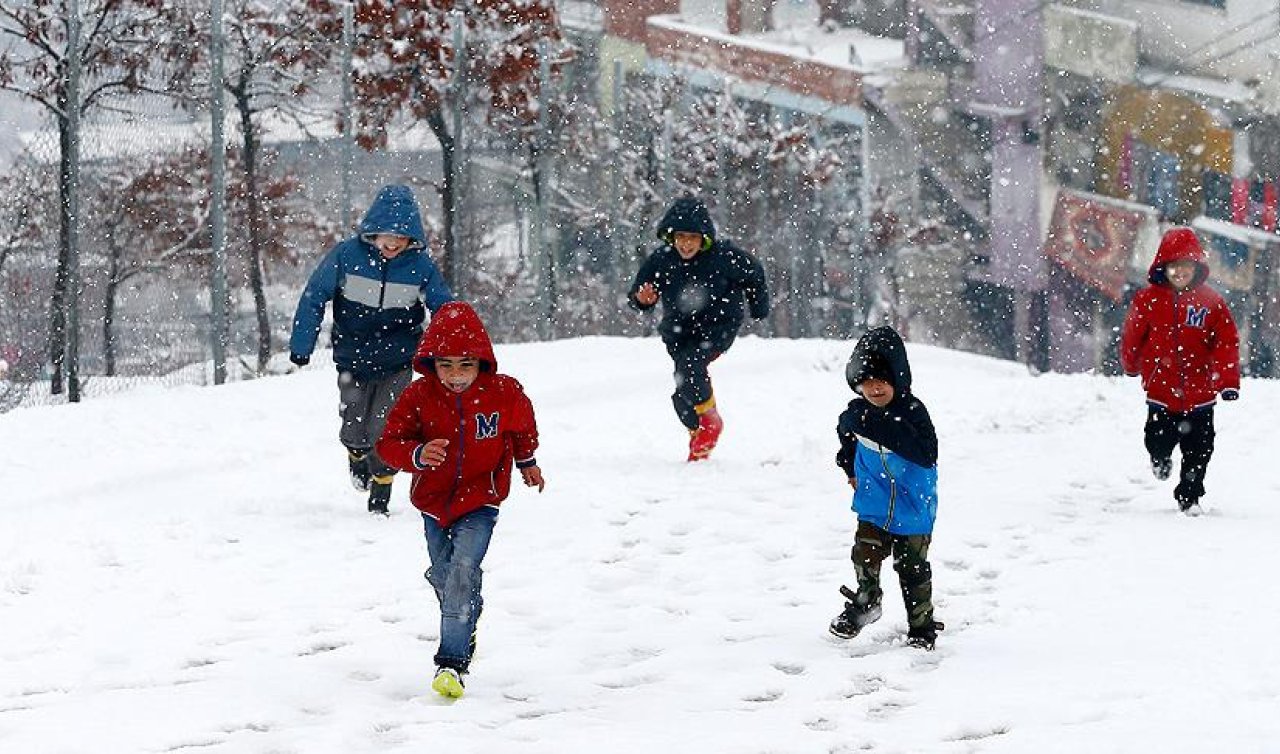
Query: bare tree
x=123 y=50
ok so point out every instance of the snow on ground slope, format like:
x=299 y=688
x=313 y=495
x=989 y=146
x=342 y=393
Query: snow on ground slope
x=188 y=570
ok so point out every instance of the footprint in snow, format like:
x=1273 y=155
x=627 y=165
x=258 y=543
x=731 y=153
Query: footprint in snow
x=789 y=668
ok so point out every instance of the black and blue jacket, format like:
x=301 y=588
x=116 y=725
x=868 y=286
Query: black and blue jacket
x=379 y=304
x=703 y=297
x=891 y=451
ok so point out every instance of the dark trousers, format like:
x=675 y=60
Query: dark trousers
x=691 y=357
x=1191 y=431
x=363 y=404
x=871 y=545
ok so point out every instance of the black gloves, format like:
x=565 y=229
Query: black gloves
x=299 y=359
x=1230 y=394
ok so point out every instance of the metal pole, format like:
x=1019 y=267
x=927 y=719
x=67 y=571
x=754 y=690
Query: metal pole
x=218 y=325
x=72 y=200
x=456 y=278
x=667 y=127
x=615 y=193
x=348 y=120
x=541 y=186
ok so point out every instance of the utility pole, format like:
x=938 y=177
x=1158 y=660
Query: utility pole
x=1008 y=77
x=218 y=198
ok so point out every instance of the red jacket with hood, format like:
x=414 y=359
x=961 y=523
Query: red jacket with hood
x=1183 y=343
x=490 y=425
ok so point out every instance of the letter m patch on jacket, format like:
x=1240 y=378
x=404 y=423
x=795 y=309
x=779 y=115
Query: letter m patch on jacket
x=1196 y=315
x=486 y=426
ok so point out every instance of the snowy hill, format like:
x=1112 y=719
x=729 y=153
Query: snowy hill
x=188 y=570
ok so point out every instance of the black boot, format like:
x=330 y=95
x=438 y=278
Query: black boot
x=924 y=636
x=380 y=494
x=855 y=616
x=358 y=466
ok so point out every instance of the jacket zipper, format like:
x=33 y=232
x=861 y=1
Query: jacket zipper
x=457 y=474
x=1177 y=346
x=382 y=292
x=893 y=485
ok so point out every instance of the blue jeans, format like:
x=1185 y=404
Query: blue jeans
x=456 y=553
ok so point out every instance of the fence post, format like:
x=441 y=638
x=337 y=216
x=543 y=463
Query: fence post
x=218 y=325
x=541 y=191
x=348 y=124
x=457 y=269
x=71 y=201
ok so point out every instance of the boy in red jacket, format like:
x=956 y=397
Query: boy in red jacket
x=459 y=430
x=1179 y=335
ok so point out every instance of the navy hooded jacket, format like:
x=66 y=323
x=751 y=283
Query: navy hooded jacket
x=378 y=303
x=701 y=297
x=891 y=451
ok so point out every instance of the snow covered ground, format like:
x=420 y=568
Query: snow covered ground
x=186 y=569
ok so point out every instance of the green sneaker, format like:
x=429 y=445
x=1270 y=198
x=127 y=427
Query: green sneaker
x=448 y=683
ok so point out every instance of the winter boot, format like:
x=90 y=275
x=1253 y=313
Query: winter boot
x=380 y=494
x=925 y=635
x=1161 y=467
x=703 y=439
x=855 y=616
x=448 y=683
x=358 y=466
x=1189 y=506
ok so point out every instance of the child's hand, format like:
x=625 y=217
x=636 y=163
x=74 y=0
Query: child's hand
x=853 y=482
x=533 y=477
x=647 y=295
x=433 y=453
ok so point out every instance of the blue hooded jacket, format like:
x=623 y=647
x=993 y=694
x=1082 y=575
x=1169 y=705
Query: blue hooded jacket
x=378 y=303
x=891 y=451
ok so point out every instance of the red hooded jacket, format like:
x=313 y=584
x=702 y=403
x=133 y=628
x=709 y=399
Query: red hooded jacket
x=1183 y=343
x=489 y=426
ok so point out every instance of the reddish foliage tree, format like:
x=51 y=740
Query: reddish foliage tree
x=407 y=66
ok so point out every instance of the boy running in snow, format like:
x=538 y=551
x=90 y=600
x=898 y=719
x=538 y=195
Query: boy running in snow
x=1179 y=335
x=459 y=430
x=889 y=451
x=702 y=282
x=378 y=281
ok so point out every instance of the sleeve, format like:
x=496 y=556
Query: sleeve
x=1226 y=349
x=402 y=437
x=920 y=439
x=1134 y=336
x=320 y=290
x=754 y=284
x=523 y=428
x=848 y=445
x=435 y=291
x=648 y=273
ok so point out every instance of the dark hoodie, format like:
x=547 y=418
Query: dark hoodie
x=903 y=426
x=1183 y=343
x=378 y=304
x=490 y=426
x=891 y=451
x=703 y=297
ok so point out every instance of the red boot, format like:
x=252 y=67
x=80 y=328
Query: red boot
x=703 y=439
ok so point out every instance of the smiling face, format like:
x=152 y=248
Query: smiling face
x=687 y=244
x=390 y=245
x=1180 y=273
x=877 y=391
x=457 y=373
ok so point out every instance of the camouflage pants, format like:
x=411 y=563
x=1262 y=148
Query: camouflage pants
x=910 y=559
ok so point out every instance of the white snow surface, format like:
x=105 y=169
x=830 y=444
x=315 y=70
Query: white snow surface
x=187 y=569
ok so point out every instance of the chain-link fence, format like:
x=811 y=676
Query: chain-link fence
x=553 y=216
